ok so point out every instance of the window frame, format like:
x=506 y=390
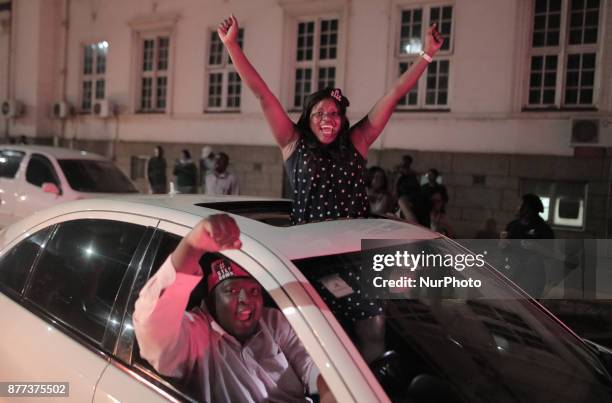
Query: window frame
x=154 y=74
x=399 y=58
x=562 y=51
x=225 y=68
x=316 y=63
x=92 y=77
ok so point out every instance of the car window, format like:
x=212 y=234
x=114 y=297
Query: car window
x=16 y=263
x=460 y=344
x=40 y=170
x=95 y=176
x=77 y=277
x=190 y=386
x=9 y=162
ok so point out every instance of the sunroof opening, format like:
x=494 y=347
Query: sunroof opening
x=271 y=212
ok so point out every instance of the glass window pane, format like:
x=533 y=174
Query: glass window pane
x=588 y=61
x=100 y=87
x=16 y=263
x=549 y=97
x=79 y=272
x=535 y=80
x=590 y=35
x=10 y=161
x=538 y=39
x=552 y=38
x=536 y=62
x=577 y=4
x=586 y=96
x=40 y=170
x=534 y=97
x=571 y=96
x=551 y=62
x=88 y=59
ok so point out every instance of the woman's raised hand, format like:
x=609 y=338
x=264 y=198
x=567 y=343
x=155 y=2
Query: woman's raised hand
x=228 y=30
x=433 y=40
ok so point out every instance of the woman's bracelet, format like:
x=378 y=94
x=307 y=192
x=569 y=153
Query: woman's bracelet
x=425 y=56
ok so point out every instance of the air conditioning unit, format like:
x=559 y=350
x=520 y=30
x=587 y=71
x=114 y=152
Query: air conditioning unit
x=103 y=108
x=11 y=108
x=61 y=110
x=591 y=132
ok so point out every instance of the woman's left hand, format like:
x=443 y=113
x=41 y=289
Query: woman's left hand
x=433 y=40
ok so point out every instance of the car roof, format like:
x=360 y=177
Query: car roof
x=56 y=152
x=294 y=242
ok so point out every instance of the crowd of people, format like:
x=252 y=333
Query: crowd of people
x=211 y=176
x=407 y=197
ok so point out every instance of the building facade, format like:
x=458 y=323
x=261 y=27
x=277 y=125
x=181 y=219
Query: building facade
x=519 y=99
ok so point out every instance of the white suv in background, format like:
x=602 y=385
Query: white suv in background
x=36 y=177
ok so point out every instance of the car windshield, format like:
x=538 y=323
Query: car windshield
x=457 y=344
x=96 y=176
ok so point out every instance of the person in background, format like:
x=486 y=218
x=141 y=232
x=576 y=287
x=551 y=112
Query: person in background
x=232 y=347
x=381 y=200
x=413 y=206
x=403 y=173
x=433 y=185
x=526 y=254
x=186 y=173
x=156 y=172
x=438 y=218
x=207 y=164
x=219 y=181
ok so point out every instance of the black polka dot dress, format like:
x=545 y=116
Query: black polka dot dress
x=326 y=187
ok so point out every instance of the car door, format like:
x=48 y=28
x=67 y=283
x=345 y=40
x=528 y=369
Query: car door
x=63 y=317
x=31 y=197
x=10 y=162
x=287 y=298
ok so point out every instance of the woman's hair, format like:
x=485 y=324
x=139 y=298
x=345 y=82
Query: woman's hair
x=186 y=153
x=342 y=142
x=160 y=151
x=371 y=173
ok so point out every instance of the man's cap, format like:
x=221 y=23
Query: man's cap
x=223 y=269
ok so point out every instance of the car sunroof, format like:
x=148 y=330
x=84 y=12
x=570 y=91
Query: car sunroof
x=271 y=212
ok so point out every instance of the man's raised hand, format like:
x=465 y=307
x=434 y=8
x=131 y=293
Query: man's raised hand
x=214 y=233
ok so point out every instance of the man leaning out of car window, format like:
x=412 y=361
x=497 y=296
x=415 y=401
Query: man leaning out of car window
x=238 y=350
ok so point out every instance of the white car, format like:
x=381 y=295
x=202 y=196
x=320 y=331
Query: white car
x=69 y=277
x=36 y=177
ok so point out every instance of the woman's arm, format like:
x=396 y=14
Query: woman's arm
x=369 y=128
x=282 y=127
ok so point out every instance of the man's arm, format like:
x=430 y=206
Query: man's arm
x=164 y=332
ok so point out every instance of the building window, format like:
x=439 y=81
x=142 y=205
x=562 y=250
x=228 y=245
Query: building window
x=413 y=24
x=564 y=202
x=224 y=85
x=154 y=74
x=93 y=74
x=316 y=57
x=564 y=52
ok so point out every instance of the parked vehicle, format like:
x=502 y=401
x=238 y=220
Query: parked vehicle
x=35 y=177
x=69 y=277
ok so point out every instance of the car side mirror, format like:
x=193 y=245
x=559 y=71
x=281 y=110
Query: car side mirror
x=52 y=188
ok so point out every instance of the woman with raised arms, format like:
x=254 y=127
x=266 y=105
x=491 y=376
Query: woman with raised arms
x=325 y=157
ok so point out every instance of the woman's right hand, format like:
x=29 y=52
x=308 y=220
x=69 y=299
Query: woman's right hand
x=228 y=30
